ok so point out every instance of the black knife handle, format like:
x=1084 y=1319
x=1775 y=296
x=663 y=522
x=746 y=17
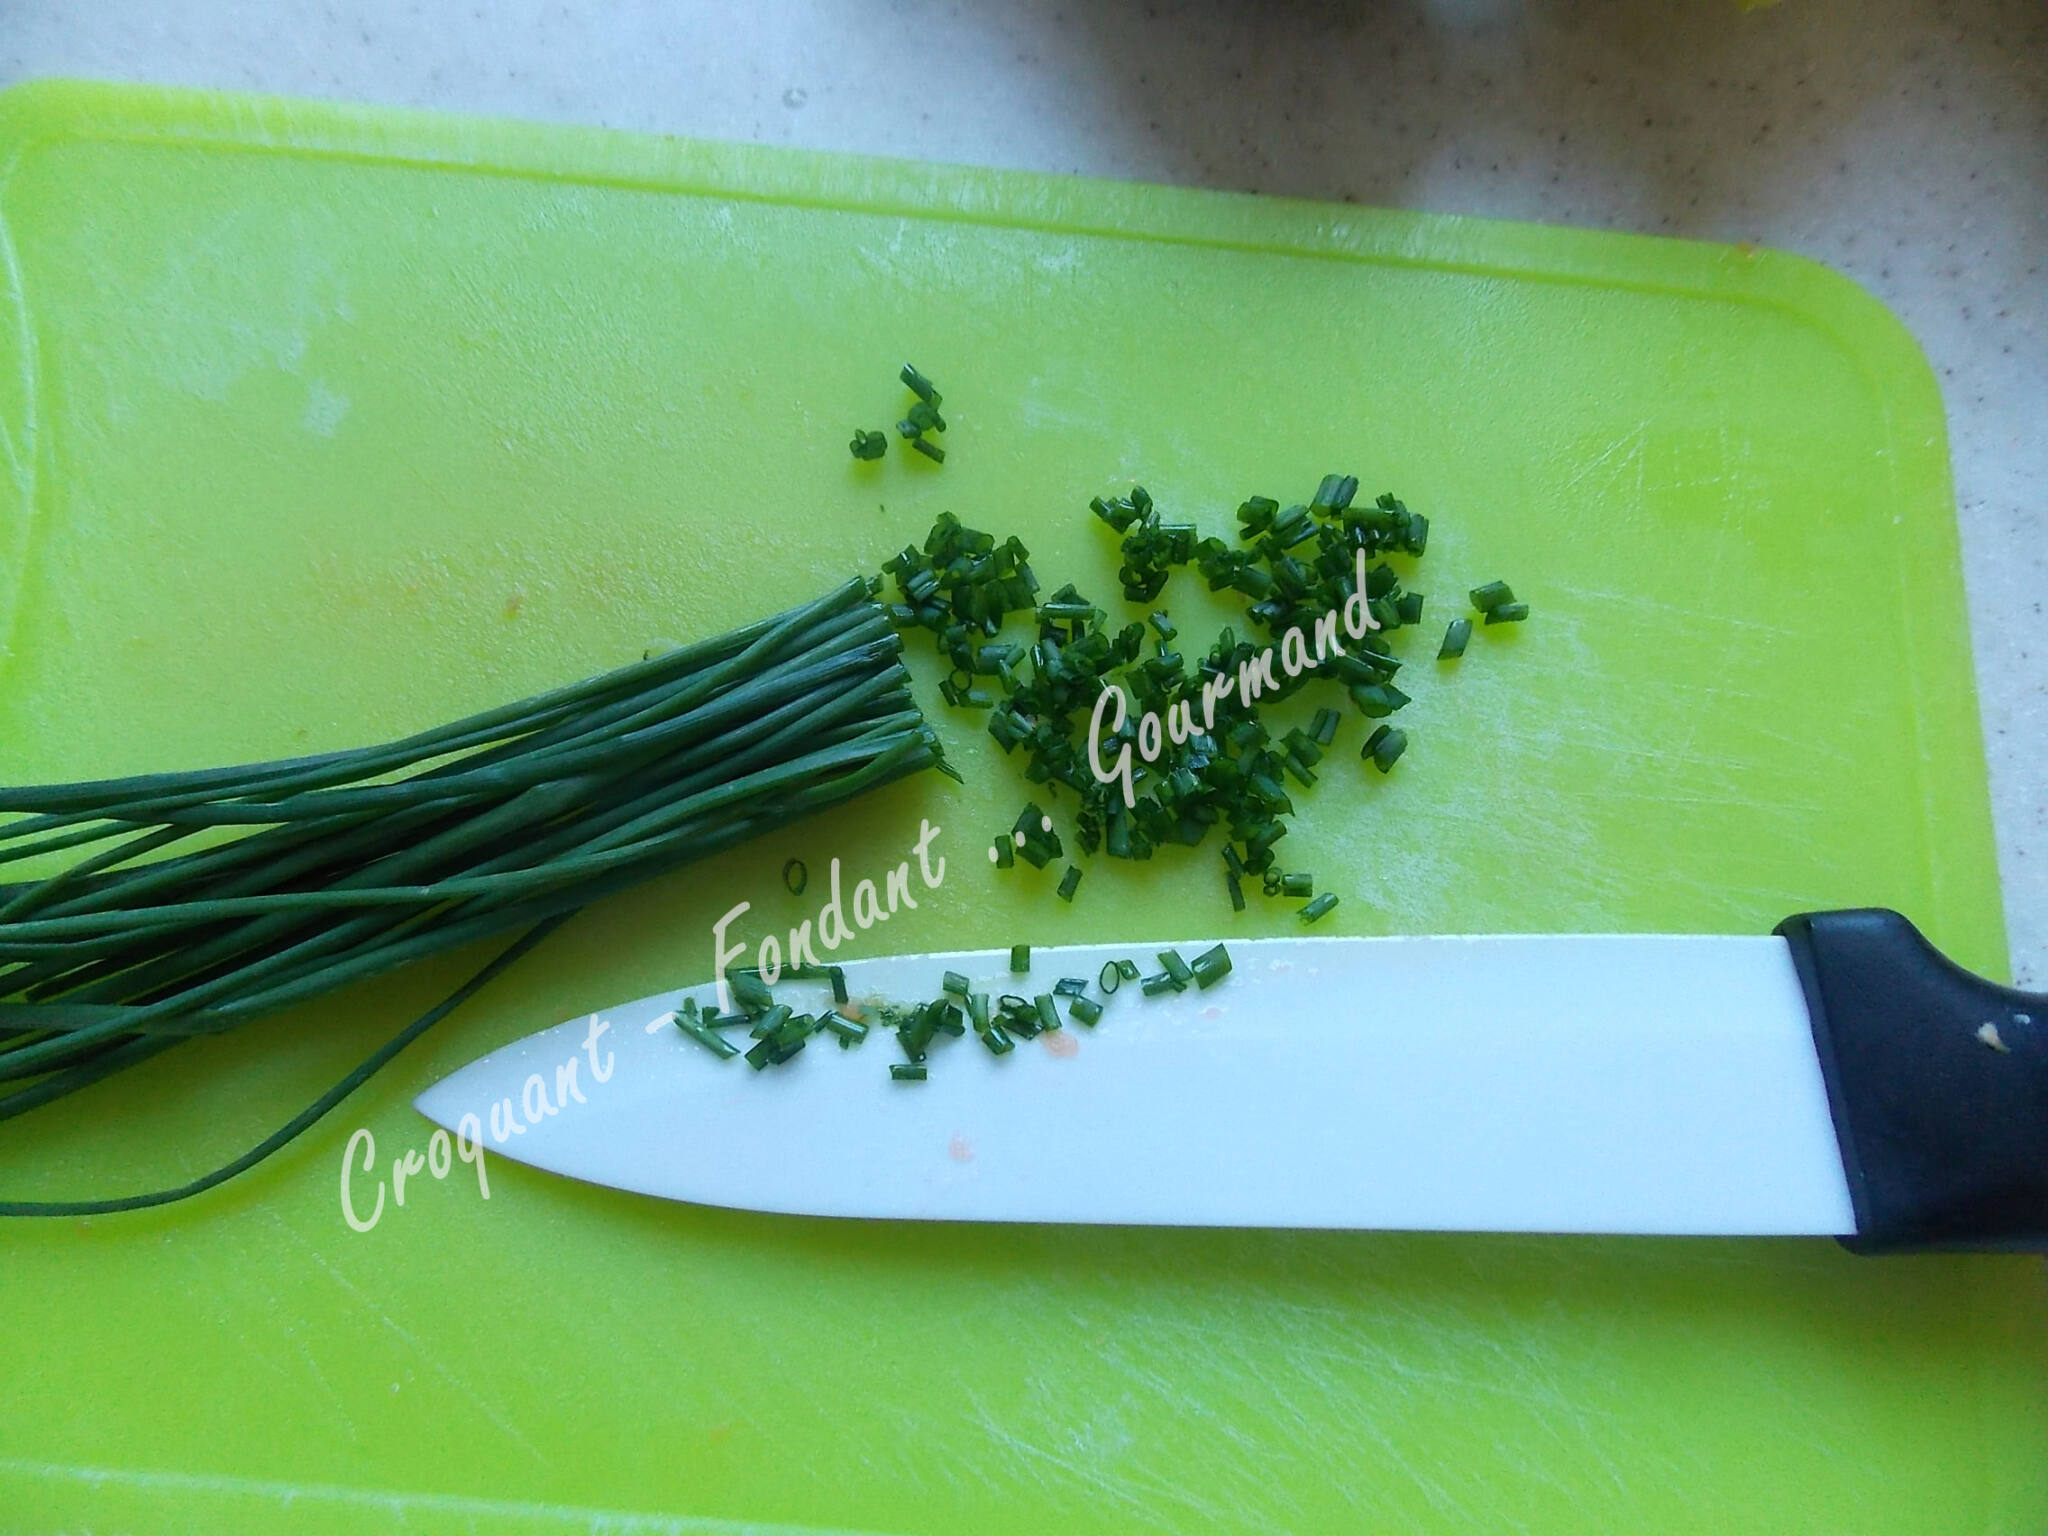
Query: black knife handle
x=1938 y=1082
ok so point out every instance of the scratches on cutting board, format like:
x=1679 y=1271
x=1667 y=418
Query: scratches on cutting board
x=477 y=1400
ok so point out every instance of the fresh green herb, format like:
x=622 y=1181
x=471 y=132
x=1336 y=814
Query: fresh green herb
x=1297 y=885
x=750 y=994
x=1048 y=1014
x=1162 y=982
x=795 y=877
x=689 y=1022
x=1020 y=959
x=1507 y=613
x=919 y=386
x=1491 y=596
x=1110 y=978
x=1456 y=637
x=929 y=449
x=868 y=445
x=1385 y=746
x=1176 y=967
x=1317 y=908
x=839 y=994
x=1211 y=966
x=1070 y=986
x=906 y=1071
x=997 y=1040
x=851 y=1032
x=1070 y=882
x=1128 y=969
x=1084 y=1011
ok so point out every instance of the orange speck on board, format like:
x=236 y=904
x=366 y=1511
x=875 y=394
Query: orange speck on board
x=960 y=1149
x=1059 y=1042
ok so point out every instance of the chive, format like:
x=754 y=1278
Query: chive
x=929 y=449
x=1409 y=606
x=997 y=1040
x=1492 y=596
x=1455 y=639
x=953 y=982
x=903 y=1071
x=1323 y=729
x=1297 y=885
x=919 y=385
x=838 y=975
x=849 y=1031
x=1070 y=986
x=1128 y=969
x=1163 y=982
x=795 y=876
x=761 y=1053
x=1048 y=1014
x=1085 y=1012
x=1318 y=907
x=925 y=418
x=713 y=1042
x=1070 y=882
x=1385 y=747
x=770 y=1020
x=1110 y=977
x=1005 y=853
x=1020 y=959
x=1507 y=613
x=1176 y=967
x=868 y=445
x=1211 y=966
x=1236 y=888
x=750 y=994
x=977 y=1010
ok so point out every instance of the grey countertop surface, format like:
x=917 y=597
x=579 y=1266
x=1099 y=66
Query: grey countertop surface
x=1903 y=142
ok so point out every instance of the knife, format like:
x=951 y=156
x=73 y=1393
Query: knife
x=1839 y=1077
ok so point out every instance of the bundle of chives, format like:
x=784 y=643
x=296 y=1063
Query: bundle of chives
x=355 y=862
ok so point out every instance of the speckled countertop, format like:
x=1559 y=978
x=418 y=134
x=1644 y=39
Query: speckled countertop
x=1901 y=141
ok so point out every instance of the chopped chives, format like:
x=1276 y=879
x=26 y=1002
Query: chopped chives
x=750 y=994
x=838 y=974
x=1163 y=982
x=1236 y=887
x=929 y=449
x=1048 y=1013
x=919 y=385
x=1084 y=1011
x=1020 y=958
x=795 y=876
x=1211 y=966
x=1070 y=986
x=849 y=1031
x=997 y=1040
x=761 y=1052
x=1507 y=613
x=868 y=445
x=1323 y=729
x=900 y=1071
x=1455 y=639
x=1070 y=882
x=1128 y=969
x=1176 y=967
x=1110 y=978
x=769 y=1020
x=1492 y=596
x=1303 y=885
x=1318 y=907
x=1385 y=747
x=700 y=1032
x=953 y=982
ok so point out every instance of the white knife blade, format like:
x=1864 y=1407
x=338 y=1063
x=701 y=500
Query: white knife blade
x=1618 y=1084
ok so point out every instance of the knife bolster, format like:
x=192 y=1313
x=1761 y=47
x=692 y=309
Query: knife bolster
x=1938 y=1083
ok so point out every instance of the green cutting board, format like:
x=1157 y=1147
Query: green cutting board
x=321 y=424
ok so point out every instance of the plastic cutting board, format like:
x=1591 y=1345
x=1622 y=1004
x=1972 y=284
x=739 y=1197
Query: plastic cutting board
x=321 y=424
